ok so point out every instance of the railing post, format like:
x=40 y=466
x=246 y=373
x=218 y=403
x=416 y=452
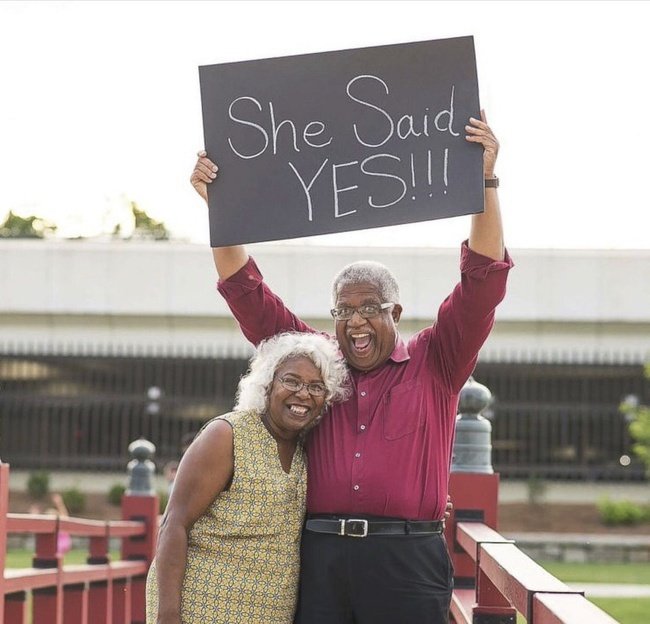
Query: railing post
x=140 y=502
x=14 y=607
x=473 y=444
x=98 y=549
x=47 y=602
x=122 y=600
x=75 y=604
x=474 y=489
x=4 y=508
x=99 y=603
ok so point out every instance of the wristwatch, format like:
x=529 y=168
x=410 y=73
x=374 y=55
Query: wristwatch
x=492 y=182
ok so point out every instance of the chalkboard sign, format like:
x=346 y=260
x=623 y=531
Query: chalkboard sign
x=340 y=141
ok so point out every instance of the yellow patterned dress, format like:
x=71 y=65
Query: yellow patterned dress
x=243 y=554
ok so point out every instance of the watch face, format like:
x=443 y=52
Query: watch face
x=492 y=182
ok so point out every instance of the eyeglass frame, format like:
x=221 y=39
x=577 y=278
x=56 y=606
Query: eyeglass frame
x=302 y=384
x=382 y=307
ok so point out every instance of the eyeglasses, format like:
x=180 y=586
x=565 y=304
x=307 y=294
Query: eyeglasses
x=293 y=385
x=366 y=311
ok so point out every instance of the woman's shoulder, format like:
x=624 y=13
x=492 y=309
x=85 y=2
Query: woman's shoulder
x=239 y=418
x=222 y=428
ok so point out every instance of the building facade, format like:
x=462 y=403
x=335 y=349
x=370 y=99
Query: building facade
x=102 y=341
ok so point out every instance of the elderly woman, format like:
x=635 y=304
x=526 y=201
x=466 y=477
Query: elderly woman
x=228 y=549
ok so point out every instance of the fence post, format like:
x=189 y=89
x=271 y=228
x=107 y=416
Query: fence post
x=140 y=502
x=4 y=508
x=47 y=602
x=75 y=604
x=12 y=606
x=474 y=489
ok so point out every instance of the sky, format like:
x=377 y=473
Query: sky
x=100 y=106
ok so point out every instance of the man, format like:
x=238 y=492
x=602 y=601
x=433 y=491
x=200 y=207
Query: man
x=372 y=549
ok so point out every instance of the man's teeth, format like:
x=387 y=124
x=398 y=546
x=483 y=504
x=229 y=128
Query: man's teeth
x=361 y=341
x=298 y=409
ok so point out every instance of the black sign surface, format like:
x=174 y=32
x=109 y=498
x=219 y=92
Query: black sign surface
x=341 y=141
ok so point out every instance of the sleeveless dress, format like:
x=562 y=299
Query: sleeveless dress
x=243 y=554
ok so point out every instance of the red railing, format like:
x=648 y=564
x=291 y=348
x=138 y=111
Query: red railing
x=493 y=578
x=101 y=591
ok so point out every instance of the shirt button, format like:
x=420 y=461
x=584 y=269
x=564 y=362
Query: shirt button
x=356 y=487
x=363 y=393
x=357 y=454
x=363 y=427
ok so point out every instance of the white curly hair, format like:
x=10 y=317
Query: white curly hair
x=254 y=387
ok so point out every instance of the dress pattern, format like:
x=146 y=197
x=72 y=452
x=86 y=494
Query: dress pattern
x=243 y=554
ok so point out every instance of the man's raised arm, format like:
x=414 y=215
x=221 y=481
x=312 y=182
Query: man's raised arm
x=227 y=260
x=486 y=234
x=259 y=312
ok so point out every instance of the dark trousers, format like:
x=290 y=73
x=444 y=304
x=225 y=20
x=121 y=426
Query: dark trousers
x=374 y=580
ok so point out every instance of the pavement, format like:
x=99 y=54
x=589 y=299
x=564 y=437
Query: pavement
x=594 y=539
x=89 y=482
x=575 y=492
x=509 y=491
x=612 y=590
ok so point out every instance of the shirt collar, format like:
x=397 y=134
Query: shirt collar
x=400 y=352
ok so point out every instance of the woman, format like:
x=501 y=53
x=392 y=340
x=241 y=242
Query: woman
x=228 y=548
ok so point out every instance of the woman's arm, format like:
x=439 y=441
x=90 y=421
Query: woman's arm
x=204 y=471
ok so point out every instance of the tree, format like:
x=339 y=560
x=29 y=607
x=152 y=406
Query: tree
x=15 y=226
x=639 y=426
x=146 y=226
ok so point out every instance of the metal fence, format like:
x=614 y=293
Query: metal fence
x=79 y=411
x=562 y=420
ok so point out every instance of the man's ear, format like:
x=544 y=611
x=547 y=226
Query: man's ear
x=396 y=312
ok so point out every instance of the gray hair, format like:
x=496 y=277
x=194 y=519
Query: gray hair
x=370 y=272
x=323 y=351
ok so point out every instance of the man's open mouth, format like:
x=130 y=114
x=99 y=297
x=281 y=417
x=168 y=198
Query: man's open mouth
x=361 y=342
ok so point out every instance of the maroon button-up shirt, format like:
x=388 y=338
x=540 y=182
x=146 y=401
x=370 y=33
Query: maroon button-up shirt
x=387 y=450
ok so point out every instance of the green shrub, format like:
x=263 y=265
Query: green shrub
x=639 y=418
x=74 y=500
x=615 y=513
x=115 y=494
x=536 y=489
x=38 y=485
x=163 y=497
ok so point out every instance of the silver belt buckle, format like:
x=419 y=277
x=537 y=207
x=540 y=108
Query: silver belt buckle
x=364 y=527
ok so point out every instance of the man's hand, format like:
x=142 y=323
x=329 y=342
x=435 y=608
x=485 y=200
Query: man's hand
x=449 y=508
x=205 y=171
x=480 y=132
x=228 y=260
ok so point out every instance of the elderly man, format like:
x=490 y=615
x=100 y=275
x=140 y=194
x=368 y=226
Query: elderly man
x=372 y=548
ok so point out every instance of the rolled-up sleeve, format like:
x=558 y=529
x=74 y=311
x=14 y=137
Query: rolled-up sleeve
x=259 y=312
x=478 y=266
x=466 y=316
x=242 y=283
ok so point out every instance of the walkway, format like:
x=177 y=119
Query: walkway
x=593 y=539
x=509 y=491
x=613 y=590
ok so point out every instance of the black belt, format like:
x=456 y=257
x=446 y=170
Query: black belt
x=359 y=527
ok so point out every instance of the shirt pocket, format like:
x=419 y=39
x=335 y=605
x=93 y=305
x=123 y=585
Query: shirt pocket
x=402 y=410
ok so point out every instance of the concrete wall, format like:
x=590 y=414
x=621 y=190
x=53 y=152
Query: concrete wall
x=136 y=295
